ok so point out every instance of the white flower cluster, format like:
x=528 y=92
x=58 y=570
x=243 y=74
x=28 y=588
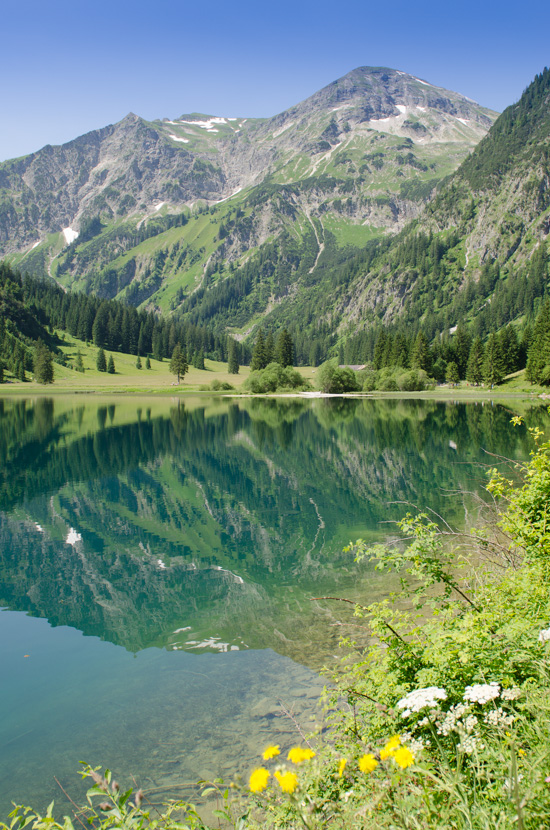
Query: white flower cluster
x=544 y=635
x=421 y=699
x=482 y=692
x=414 y=744
x=452 y=718
x=469 y=743
x=498 y=717
x=511 y=694
x=470 y=724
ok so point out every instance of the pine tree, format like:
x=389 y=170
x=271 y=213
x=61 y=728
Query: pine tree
x=462 y=344
x=539 y=351
x=198 y=361
x=148 y=363
x=101 y=362
x=452 y=375
x=420 y=354
x=232 y=358
x=78 y=363
x=42 y=363
x=178 y=362
x=111 y=365
x=474 y=370
x=269 y=348
x=284 y=350
x=259 y=356
x=138 y=363
x=493 y=368
x=509 y=348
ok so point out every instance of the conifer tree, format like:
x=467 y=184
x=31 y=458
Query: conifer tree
x=198 y=361
x=462 y=344
x=148 y=363
x=509 y=348
x=452 y=375
x=101 y=362
x=42 y=363
x=269 y=348
x=111 y=365
x=178 y=363
x=232 y=359
x=420 y=353
x=138 y=363
x=539 y=351
x=284 y=350
x=259 y=358
x=493 y=368
x=474 y=370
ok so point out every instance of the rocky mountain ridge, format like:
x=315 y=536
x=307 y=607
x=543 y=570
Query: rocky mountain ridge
x=356 y=159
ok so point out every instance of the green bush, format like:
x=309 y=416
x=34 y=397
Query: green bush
x=274 y=378
x=332 y=379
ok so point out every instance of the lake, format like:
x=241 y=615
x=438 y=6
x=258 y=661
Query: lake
x=158 y=560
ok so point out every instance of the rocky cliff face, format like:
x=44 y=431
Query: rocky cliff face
x=129 y=168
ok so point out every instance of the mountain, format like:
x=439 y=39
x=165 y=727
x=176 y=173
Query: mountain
x=478 y=251
x=172 y=213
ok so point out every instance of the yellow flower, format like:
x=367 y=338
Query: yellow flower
x=342 y=766
x=389 y=749
x=258 y=780
x=297 y=754
x=367 y=762
x=288 y=781
x=271 y=752
x=403 y=757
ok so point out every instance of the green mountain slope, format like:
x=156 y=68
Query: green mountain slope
x=156 y=212
x=477 y=252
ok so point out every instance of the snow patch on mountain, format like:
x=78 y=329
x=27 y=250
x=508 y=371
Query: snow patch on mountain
x=69 y=235
x=206 y=125
x=177 y=138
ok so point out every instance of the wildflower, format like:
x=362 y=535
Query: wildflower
x=367 y=763
x=421 y=699
x=482 y=692
x=469 y=743
x=403 y=757
x=511 y=694
x=271 y=752
x=497 y=717
x=390 y=747
x=258 y=780
x=544 y=635
x=451 y=721
x=470 y=723
x=342 y=766
x=288 y=781
x=297 y=754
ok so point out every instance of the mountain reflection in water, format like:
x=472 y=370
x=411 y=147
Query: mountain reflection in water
x=200 y=526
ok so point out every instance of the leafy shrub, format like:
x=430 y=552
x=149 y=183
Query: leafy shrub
x=333 y=379
x=273 y=378
x=220 y=386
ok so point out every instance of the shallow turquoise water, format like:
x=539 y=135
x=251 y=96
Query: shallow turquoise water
x=158 y=559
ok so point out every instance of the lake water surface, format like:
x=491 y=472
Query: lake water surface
x=158 y=560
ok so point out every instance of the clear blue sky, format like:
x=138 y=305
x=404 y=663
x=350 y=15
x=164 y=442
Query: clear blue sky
x=70 y=67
